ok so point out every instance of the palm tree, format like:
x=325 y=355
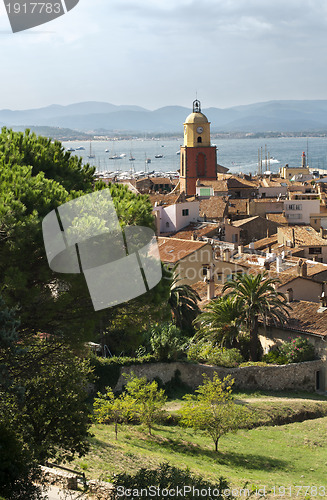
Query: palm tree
x=183 y=301
x=258 y=300
x=221 y=322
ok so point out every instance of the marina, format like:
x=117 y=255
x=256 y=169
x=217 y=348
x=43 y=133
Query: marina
x=238 y=155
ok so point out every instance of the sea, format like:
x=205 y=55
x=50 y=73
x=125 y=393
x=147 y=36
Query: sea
x=238 y=155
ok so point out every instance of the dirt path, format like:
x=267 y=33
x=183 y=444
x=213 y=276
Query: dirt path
x=174 y=406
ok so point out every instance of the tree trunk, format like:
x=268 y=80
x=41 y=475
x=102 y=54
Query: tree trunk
x=254 y=340
x=116 y=430
x=216 y=444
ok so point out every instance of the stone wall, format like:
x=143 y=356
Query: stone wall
x=65 y=480
x=295 y=376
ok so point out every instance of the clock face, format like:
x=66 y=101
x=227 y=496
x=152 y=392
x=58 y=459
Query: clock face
x=199 y=130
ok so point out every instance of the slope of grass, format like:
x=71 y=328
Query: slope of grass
x=266 y=456
x=293 y=454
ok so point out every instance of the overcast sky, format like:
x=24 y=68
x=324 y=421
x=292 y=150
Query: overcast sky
x=160 y=52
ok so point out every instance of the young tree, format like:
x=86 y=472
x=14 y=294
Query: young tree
x=107 y=408
x=212 y=410
x=146 y=399
x=258 y=300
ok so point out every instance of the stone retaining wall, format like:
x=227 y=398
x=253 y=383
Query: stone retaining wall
x=60 y=478
x=295 y=376
x=101 y=490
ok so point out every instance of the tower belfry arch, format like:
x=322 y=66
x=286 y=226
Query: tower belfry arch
x=196 y=106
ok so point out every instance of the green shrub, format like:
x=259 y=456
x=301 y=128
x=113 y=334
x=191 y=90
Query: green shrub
x=275 y=357
x=206 y=352
x=166 y=477
x=167 y=342
x=298 y=350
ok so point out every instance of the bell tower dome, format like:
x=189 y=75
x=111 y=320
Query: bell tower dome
x=196 y=128
x=198 y=157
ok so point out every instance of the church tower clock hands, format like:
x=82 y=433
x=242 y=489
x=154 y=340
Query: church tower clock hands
x=198 y=158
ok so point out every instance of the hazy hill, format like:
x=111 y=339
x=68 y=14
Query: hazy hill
x=283 y=116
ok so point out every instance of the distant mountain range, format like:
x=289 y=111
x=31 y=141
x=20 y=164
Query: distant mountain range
x=93 y=117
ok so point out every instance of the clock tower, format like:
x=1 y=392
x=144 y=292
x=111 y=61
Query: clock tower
x=198 y=157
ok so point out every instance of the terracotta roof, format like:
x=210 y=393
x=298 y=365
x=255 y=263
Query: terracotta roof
x=305 y=317
x=238 y=183
x=199 y=229
x=238 y=206
x=173 y=249
x=264 y=242
x=242 y=222
x=267 y=200
x=221 y=169
x=313 y=268
x=304 y=236
x=289 y=268
x=201 y=288
x=279 y=218
x=214 y=207
x=163 y=199
x=266 y=182
x=217 y=185
x=160 y=180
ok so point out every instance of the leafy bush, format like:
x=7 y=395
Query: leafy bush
x=166 y=477
x=275 y=357
x=167 y=342
x=295 y=351
x=206 y=352
x=298 y=350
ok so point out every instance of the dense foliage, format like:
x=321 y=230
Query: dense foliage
x=206 y=352
x=166 y=342
x=43 y=414
x=167 y=477
x=221 y=322
x=183 y=301
x=36 y=176
x=295 y=351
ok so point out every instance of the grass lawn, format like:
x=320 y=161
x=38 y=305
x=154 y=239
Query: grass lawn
x=286 y=455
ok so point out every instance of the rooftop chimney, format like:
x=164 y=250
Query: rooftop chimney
x=302 y=268
x=210 y=289
x=289 y=294
x=226 y=254
x=279 y=262
x=323 y=300
x=293 y=237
